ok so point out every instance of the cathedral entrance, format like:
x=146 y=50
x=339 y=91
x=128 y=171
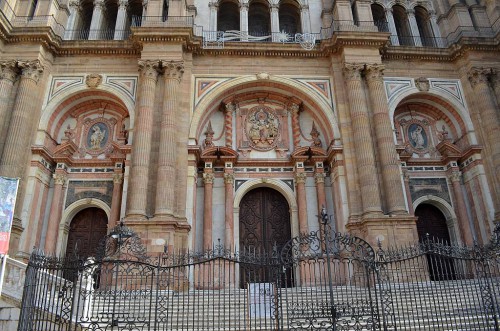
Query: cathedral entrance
x=264 y=228
x=86 y=230
x=431 y=225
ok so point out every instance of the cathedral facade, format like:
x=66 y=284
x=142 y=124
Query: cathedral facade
x=236 y=122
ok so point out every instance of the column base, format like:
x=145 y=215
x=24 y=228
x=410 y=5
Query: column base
x=389 y=230
x=161 y=234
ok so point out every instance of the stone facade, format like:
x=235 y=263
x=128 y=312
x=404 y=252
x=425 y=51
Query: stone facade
x=166 y=114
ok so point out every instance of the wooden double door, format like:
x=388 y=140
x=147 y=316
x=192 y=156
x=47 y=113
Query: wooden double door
x=87 y=229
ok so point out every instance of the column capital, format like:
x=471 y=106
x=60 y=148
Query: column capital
x=117 y=178
x=274 y=7
x=208 y=178
x=478 y=76
x=31 y=69
x=173 y=69
x=406 y=175
x=410 y=12
x=149 y=69
x=495 y=77
x=228 y=178
x=374 y=72
x=455 y=176
x=244 y=6
x=60 y=179
x=300 y=178
x=122 y=3
x=229 y=107
x=9 y=70
x=293 y=107
x=75 y=4
x=352 y=71
x=213 y=5
x=99 y=4
x=319 y=177
x=304 y=7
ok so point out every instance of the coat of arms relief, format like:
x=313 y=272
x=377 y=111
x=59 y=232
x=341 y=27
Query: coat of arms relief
x=262 y=128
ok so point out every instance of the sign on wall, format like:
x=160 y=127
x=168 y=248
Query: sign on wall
x=8 y=192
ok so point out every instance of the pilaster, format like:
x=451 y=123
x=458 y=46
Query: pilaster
x=52 y=236
x=229 y=197
x=300 y=183
x=463 y=219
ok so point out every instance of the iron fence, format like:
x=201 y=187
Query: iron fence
x=320 y=281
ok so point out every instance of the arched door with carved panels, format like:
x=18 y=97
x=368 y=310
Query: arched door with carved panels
x=86 y=230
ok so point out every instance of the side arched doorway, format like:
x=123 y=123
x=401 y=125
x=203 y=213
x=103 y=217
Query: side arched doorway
x=431 y=224
x=86 y=230
x=264 y=227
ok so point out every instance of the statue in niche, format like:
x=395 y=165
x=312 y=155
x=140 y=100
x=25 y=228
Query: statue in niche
x=316 y=142
x=262 y=128
x=417 y=136
x=97 y=137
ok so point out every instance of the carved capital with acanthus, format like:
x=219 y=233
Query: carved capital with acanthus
x=406 y=175
x=300 y=178
x=101 y=4
x=455 y=176
x=352 y=71
x=319 y=177
x=228 y=178
x=149 y=69
x=294 y=108
x=229 y=108
x=374 y=72
x=244 y=6
x=213 y=5
x=74 y=4
x=60 y=179
x=123 y=3
x=208 y=178
x=31 y=69
x=117 y=179
x=173 y=69
x=479 y=76
x=9 y=70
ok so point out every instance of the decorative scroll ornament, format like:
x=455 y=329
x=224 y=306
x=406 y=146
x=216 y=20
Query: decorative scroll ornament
x=262 y=128
x=93 y=80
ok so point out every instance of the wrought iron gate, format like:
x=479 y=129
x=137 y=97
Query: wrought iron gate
x=339 y=283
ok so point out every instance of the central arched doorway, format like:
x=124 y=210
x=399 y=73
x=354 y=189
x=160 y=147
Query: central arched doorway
x=431 y=225
x=87 y=229
x=264 y=228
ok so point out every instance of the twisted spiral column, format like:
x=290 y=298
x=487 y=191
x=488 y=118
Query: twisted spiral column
x=228 y=123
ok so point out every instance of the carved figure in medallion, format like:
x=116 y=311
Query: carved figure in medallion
x=97 y=136
x=417 y=136
x=262 y=128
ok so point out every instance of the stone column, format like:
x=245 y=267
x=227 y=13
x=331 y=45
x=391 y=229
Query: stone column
x=17 y=142
x=97 y=22
x=490 y=126
x=300 y=183
x=8 y=75
x=229 y=197
x=319 y=179
x=208 y=180
x=228 y=123
x=121 y=20
x=305 y=19
x=414 y=27
x=116 y=200
x=165 y=191
x=294 y=109
x=275 y=22
x=139 y=167
x=435 y=29
x=406 y=177
x=51 y=237
x=392 y=27
x=463 y=219
x=214 y=7
x=386 y=148
x=495 y=80
x=244 y=21
x=73 y=20
x=362 y=139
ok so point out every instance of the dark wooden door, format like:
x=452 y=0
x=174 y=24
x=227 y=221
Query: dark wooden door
x=431 y=225
x=86 y=230
x=264 y=227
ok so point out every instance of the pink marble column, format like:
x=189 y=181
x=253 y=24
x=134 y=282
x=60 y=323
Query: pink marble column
x=490 y=126
x=8 y=75
x=116 y=200
x=229 y=216
x=17 y=143
x=363 y=141
x=319 y=179
x=386 y=148
x=208 y=180
x=165 y=191
x=300 y=183
x=463 y=219
x=143 y=131
x=55 y=213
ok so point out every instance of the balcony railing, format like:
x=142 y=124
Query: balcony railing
x=162 y=21
x=104 y=34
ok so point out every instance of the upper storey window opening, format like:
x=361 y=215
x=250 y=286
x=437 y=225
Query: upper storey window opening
x=424 y=26
x=402 y=25
x=259 y=21
x=289 y=18
x=228 y=16
x=379 y=20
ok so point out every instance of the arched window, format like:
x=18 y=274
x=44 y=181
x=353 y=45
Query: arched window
x=424 y=26
x=109 y=20
x=259 y=19
x=32 y=8
x=289 y=18
x=379 y=20
x=135 y=13
x=402 y=26
x=228 y=16
x=84 y=27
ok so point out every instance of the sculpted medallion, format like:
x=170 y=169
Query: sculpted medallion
x=97 y=136
x=262 y=128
